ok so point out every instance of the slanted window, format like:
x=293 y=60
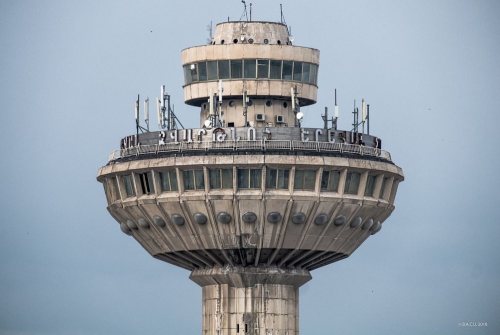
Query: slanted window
x=330 y=180
x=146 y=180
x=249 y=70
x=277 y=178
x=352 y=183
x=168 y=181
x=384 y=186
x=275 y=69
x=111 y=187
x=221 y=178
x=212 y=70
x=236 y=69
x=306 y=72
x=287 y=70
x=297 y=71
x=224 y=69
x=202 y=71
x=304 y=179
x=249 y=178
x=193 y=180
x=129 y=185
x=370 y=185
x=263 y=68
x=313 y=77
x=193 y=68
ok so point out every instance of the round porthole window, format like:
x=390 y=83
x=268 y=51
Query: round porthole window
x=269 y=103
x=235 y=41
x=250 y=40
x=266 y=41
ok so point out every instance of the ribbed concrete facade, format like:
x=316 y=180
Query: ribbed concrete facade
x=250 y=202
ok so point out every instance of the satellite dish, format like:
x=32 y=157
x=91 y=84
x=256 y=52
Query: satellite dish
x=300 y=116
x=207 y=123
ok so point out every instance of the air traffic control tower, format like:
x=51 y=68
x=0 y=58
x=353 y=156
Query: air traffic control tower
x=251 y=201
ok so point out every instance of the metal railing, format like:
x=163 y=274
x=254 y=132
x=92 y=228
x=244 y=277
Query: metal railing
x=245 y=145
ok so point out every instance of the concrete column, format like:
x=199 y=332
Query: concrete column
x=250 y=301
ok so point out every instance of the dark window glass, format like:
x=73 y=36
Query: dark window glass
x=111 y=187
x=221 y=178
x=370 y=185
x=277 y=178
x=287 y=70
x=212 y=70
x=202 y=71
x=263 y=68
x=249 y=68
x=187 y=75
x=194 y=72
x=223 y=69
x=384 y=185
x=306 y=70
x=275 y=69
x=304 y=179
x=352 y=183
x=129 y=185
x=236 y=69
x=249 y=178
x=313 y=77
x=146 y=182
x=330 y=180
x=193 y=180
x=297 y=71
x=168 y=181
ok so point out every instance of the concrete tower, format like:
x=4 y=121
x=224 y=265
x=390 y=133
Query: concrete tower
x=250 y=202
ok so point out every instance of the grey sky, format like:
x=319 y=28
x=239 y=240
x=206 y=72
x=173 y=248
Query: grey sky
x=69 y=75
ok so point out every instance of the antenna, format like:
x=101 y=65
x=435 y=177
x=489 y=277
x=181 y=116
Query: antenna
x=363 y=115
x=245 y=101
x=210 y=35
x=250 y=11
x=166 y=115
x=245 y=14
x=137 y=116
x=336 y=113
x=146 y=113
x=219 y=107
x=368 y=119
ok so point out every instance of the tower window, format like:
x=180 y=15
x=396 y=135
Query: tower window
x=202 y=71
x=370 y=185
x=352 y=183
x=221 y=178
x=249 y=68
x=287 y=70
x=168 y=181
x=263 y=68
x=111 y=187
x=146 y=180
x=304 y=179
x=249 y=178
x=277 y=178
x=193 y=180
x=384 y=185
x=129 y=185
x=224 y=69
x=236 y=69
x=212 y=70
x=275 y=69
x=297 y=71
x=330 y=180
x=306 y=72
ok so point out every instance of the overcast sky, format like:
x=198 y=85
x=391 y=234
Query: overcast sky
x=70 y=72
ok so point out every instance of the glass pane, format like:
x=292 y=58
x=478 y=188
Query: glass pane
x=212 y=70
x=352 y=183
x=283 y=179
x=263 y=68
x=314 y=74
x=370 y=185
x=194 y=72
x=297 y=71
x=272 y=175
x=287 y=70
x=173 y=180
x=202 y=71
x=249 y=68
x=305 y=72
x=164 y=181
x=199 y=180
x=215 y=181
x=129 y=186
x=188 y=179
x=243 y=175
x=255 y=178
x=324 y=180
x=223 y=69
x=299 y=180
x=227 y=178
x=236 y=68
x=187 y=75
x=333 y=183
x=309 y=179
x=384 y=185
x=275 y=72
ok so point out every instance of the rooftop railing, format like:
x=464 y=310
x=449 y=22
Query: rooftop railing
x=249 y=146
